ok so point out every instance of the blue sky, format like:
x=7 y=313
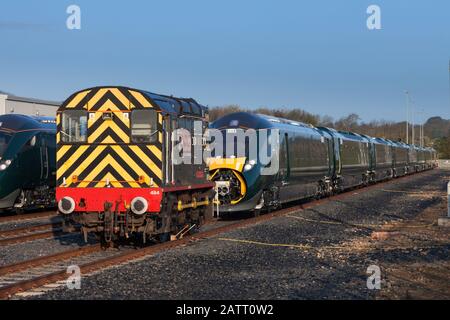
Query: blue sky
x=315 y=55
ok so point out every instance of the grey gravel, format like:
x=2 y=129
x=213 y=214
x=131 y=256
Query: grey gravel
x=217 y=268
x=38 y=248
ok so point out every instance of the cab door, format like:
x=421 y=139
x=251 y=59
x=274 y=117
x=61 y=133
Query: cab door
x=43 y=150
x=284 y=168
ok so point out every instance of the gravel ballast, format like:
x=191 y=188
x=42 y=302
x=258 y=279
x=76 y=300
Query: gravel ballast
x=318 y=253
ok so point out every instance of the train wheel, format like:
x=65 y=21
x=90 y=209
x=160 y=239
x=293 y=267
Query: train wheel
x=320 y=190
x=365 y=180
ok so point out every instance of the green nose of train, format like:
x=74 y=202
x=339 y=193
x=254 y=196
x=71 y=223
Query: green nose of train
x=27 y=161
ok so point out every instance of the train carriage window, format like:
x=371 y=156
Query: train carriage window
x=74 y=126
x=144 y=126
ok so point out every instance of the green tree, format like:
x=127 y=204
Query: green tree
x=442 y=146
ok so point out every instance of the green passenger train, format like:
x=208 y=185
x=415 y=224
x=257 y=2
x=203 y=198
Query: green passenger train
x=27 y=162
x=313 y=162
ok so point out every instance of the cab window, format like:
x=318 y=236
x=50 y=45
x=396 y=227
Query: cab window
x=5 y=138
x=186 y=107
x=74 y=126
x=144 y=126
x=196 y=109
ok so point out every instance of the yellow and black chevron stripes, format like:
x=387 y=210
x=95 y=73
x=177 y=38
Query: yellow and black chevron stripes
x=58 y=127
x=122 y=165
x=107 y=155
x=119 y=102
x=78 y=99
x=115 y=130
x=94 y=99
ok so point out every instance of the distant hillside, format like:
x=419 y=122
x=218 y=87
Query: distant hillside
x=436 y=127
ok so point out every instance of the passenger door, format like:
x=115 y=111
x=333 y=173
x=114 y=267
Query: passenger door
x=43 y=149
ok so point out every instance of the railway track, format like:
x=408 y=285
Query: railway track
x=29 y=233
x=42 y=271
x=27 y=216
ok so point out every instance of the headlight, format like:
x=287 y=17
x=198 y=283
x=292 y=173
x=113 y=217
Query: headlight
x=4 y=164
x=249 y=165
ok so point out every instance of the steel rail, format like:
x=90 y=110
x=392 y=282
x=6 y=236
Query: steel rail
x=27 y=216
x=41 y=261
x=28 y=229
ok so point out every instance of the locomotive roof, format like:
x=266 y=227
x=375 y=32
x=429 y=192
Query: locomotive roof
x=257 y=121
x=347 y=135
x=247 y=120
x=400 y=144
x=285 y=121
x=166 y=103
x=382 y=141
x=20 y=122
x=172 y=104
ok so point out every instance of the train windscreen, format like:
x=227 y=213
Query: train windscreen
x=5 y=138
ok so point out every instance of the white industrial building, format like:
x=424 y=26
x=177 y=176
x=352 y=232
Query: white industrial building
x=28 y=106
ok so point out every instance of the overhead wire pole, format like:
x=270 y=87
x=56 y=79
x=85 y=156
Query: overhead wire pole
x=421 y=125
x=407 y=115
x=421 y=131
x=413 y=140
x=423 y=128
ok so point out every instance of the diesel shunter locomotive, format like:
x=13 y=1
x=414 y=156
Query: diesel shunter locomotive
x=116 y=174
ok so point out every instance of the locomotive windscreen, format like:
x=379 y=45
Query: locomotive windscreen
x=5 y=138
x=74 y=126
x=232 y=145
x=144 y=126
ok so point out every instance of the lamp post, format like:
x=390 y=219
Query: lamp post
x=407 y=115
x=413 y=140
x=421 y=127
